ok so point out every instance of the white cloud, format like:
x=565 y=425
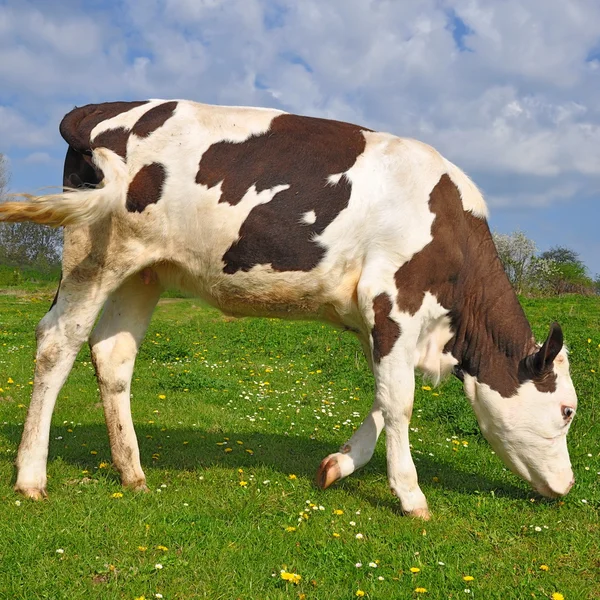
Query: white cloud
x=16 y=130
x=549 y=193
x=520 y=97
x=38 y=158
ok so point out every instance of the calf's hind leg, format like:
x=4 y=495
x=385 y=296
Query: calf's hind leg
x=114 y=344
x=59 y=335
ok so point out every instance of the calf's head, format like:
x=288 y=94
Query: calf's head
x=529 y=429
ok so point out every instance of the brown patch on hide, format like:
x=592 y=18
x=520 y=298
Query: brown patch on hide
x=153 y=119
x=461 y=268
x=113 y=139
x=76 y=127
x=146 y=187
x=544 y=382
x=301 y=153
x=385 y=331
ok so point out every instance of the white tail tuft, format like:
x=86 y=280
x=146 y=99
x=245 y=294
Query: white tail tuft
x=73 y=206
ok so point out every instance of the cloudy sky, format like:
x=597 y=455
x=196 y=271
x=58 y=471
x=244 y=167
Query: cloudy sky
x=509 y=90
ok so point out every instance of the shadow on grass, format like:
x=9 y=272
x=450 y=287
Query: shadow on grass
x=194 y=449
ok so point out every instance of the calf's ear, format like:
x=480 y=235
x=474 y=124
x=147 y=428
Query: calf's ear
x=542 y=360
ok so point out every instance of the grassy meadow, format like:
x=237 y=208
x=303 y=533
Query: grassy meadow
x=233 y=418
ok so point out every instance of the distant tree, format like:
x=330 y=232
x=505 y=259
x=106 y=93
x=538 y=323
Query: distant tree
x=26 y=244
x=526 y=272
x=570 y=274
x=561 y=255
x=556 y=271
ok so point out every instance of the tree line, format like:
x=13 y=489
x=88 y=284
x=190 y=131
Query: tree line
x=27 y=244
x=556 y=271
x=553 y=272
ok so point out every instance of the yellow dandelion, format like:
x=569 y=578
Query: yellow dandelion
x=9 y=380
x=240 y=442
x=161 y=397
x=415 y=570
x=142 y=548
x=468 y=578
x=338 y=511
x=291 y=577
x=243 y=483
x=359 y=593
x=421 y=590
x=117 y=495
x=544 y=568
x=103 y=465
x=290 y=528
x=93 y=452
x=249 y=451
x=557 y=596
x=426 y=388
x=163 y=548
x=228 y=450
x=292 y=476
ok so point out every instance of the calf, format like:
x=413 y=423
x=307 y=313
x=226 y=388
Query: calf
x=260 y=212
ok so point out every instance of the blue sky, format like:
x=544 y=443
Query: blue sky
x=509 y=91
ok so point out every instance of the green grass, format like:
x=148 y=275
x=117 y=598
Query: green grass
x=31 y=279
x=291 y=393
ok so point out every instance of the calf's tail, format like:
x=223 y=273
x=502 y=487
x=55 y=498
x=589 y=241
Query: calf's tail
x=73 y=206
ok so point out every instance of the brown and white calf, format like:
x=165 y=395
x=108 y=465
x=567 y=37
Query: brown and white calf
x=260 y=212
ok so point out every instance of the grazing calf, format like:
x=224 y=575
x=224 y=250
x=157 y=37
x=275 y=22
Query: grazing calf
x=260 y=212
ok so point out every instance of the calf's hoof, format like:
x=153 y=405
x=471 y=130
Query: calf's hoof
x=329 y=472
x=419 y=513
x=138 y=485
x=32 y=492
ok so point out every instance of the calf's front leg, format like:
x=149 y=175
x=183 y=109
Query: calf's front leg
x=395 y=379
x=114 y=344
x=392 y=409
x=390 y=353
x=355 y=453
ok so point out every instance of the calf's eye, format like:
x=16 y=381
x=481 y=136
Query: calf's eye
x=567 y=412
